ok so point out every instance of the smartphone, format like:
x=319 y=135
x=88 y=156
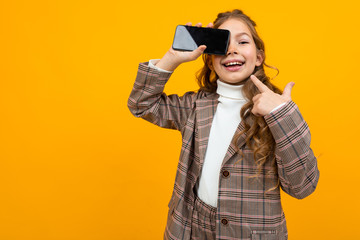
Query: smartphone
x=188 y=38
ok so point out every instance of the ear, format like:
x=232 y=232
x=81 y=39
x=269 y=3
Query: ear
x=209 y=62
x=259 y=57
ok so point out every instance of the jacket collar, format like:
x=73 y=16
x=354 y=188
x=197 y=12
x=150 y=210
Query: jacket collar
x=205 y=111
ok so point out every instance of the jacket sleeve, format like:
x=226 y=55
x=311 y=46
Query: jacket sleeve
x=297 y=165
x=148 y=101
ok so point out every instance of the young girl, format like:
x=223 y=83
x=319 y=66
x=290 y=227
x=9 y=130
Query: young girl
x=242 y=140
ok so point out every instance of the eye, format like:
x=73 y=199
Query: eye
x=243 y=42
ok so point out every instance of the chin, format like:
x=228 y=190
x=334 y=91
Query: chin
x=235 y=81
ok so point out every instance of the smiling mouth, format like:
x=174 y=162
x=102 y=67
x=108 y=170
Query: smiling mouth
x=230 y=64
x=233 y=66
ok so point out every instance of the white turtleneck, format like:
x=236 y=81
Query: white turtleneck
x=225 y=122
x=224 y=125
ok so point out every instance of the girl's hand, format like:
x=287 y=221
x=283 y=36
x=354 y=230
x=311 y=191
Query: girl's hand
x=173 y=58
x=267 y=100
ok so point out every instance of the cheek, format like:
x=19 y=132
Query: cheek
x=216 y=63
x=250 y=54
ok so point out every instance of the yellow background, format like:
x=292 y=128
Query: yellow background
x=76 y=165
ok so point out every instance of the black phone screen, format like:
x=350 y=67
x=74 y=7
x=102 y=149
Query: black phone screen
x=188 y=38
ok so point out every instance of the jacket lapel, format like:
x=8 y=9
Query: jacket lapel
x=205 y=111
x=232 y=147
x=206 y=108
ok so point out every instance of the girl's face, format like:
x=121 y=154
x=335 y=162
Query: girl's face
x=240 y=61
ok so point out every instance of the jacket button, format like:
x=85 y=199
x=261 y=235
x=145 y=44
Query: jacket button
x=224 y=221
x=225 y=173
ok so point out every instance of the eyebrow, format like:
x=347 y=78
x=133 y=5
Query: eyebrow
x=242 y=33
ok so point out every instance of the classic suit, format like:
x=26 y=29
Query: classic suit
x=246 y=210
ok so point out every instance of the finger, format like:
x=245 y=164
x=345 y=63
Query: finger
x=188 y=24
x=262 y=87
x=197 y=52
x=210 y=25
x=256 y=97
x=287 y=90
x=198 y=24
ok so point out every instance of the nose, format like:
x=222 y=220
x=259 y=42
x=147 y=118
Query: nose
x=231 y=49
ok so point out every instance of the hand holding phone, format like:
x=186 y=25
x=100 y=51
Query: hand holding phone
x=173 y=58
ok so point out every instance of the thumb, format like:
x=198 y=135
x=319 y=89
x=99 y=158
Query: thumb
x=197 y=52
x=287 y=90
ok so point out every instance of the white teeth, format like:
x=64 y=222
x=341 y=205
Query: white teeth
x=233 y=63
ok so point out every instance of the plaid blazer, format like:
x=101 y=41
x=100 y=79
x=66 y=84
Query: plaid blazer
x=246 y=210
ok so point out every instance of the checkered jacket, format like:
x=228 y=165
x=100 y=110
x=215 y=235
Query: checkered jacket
x=246 y=210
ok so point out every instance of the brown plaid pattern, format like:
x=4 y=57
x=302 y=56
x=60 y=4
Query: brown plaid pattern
x=245 y=209
x=203 y=222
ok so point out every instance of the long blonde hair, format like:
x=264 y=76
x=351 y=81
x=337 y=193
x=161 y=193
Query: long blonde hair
x=258 y=135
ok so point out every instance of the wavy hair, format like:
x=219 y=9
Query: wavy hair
x=258 y=136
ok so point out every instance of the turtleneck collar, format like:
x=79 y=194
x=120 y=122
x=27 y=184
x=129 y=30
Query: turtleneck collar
x=229 y=91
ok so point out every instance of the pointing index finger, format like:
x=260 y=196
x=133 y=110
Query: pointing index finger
x=262 y=87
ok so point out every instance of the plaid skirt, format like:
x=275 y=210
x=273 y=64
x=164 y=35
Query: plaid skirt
x=203 y=221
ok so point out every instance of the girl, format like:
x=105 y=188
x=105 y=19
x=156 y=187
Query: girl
x=242 y=140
